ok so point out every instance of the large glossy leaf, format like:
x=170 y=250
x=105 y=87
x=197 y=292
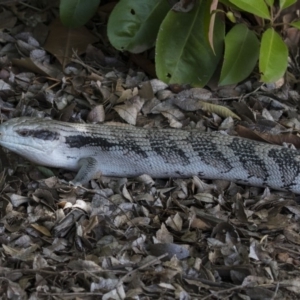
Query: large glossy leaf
x=270 y=2
x=229 y=4
x=133 y=25
x=183 y=53
x=273 y=58
x=241 y=55
x=286 y=3
x=75 y=13
x=296 y=24
x=256 y=7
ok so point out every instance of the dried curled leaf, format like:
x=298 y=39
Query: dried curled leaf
x=219 y=110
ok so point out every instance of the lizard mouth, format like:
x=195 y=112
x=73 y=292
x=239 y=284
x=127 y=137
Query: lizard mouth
x=20 y=148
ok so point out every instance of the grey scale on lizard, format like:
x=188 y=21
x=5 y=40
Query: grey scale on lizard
x=128 y=151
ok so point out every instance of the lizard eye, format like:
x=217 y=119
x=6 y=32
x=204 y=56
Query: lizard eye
x=41 y=134
x=23 y=132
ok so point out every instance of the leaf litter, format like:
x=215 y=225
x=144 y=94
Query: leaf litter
x=137 y=238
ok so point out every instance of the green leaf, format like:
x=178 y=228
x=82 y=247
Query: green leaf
x=241 y=55
x=273 y=58
x=270 y=2
x=296 y=24
x=75 y=13
x=256 y=7
x=228 y=4
x=286 y=3
x=183 y=53
x=45 y=171
x=133 y=25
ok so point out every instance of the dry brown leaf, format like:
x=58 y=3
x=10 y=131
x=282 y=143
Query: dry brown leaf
x=292 y=236
x=4 y=86
x=97 y=114
x=219 y=110
x=18 y=200
x=79 y=265
x=34 y=64
x=173 y=117
x=140 y=221
x=41 y=229
x=198 y=223
x=7 y=19
x=292 y=284
x=146 y=91
x=163 y=235
x=157 y=85
x=21 y=254
x=116 y=294
x=205 y=197
x=278 y=139
x=130 y=110
x=175 y=222
x=171 y=249
x=63 y=41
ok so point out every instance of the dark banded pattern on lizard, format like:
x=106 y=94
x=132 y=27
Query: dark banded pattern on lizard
x=127 y=151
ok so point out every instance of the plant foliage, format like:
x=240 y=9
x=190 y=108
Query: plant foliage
x=75 y=13
x=190 y=41
x=185 y=56
x=190 y=36
x=133 y=25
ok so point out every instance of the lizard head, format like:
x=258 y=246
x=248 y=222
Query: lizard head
x=29 y=137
